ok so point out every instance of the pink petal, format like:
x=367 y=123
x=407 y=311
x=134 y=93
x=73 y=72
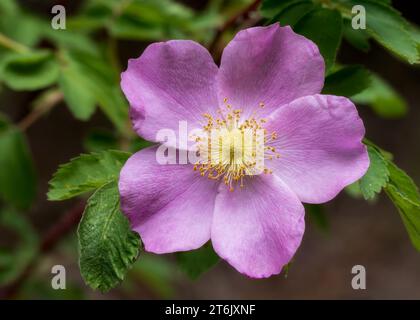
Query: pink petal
x=170 y=206
x=170 y=82
x=319 y=141
x=270 y=64
x=258 y=229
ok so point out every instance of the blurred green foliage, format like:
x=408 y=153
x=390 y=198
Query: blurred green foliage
x=82 y=65
x=13 y=263
x=17 y=174
x=194 y=263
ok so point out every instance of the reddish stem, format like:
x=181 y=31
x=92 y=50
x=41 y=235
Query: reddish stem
x=61 y=228
x=50 y=101
x=243 y=15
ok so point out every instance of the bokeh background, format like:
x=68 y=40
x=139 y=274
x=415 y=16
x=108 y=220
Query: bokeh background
x=356 y=232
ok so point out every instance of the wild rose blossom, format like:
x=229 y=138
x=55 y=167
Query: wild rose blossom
x=269 y=78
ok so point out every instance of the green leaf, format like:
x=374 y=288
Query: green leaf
x=93 y=15
x=357 y=38
x=156 y=272
x=75 y=88
x=108 y=247
x=202 y=26
x=387 y=155
x=402 y=191
x=103 y=83
x=293 y=13
x=415 y=33
x=28 y=33
x=152 y=20
x=70 y=40
x=138 y=143
x=324 y=27
x=17 y=173
x=196 y=262
x=382 y=98
x=132 y=29
x=271 y=8
x=353 y=190
x=29 y=71
x=13 y=261
x=347 y=81
x=8 y=7
x=100 y=140
x=388 y=27
x=317 y=215
x=403 y=183
x=86 y=173
x=405 y=195
x=377 y=175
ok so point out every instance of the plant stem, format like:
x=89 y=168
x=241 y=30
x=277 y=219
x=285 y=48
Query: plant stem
x=113 y=55
x=12 y=44
x=244 y=14
x=44 y=104
x=344 y=10
x=53 y=236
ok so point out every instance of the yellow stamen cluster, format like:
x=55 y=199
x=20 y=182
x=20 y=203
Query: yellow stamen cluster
x=231 y=147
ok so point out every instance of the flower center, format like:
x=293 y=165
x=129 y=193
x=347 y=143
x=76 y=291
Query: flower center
x=231 y=147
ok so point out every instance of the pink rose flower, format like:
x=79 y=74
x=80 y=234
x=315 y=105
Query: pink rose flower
x=272 y=78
